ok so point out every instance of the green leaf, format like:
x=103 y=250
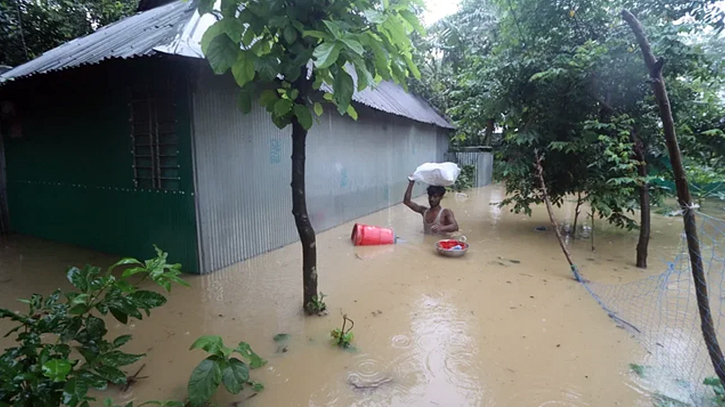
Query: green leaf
x=112 y=374
x=206 y=6
x=117 y=358
x=211 y=343
x=232 y=27
x=203 y=382
x=222 y=54
x=74 y=391
x=364 y=77
x=375 y=17
x=343 y=90
x=326 y=54
x=56 y=369
x=126 y=261
x=234 y=374
x=268 y=98
x=304 y=117
x=119 y=314
x=121 y=340
x=257 y=386
x=316 y=34
x=246 y=351
x=132 y=271
x=413 y=20
x=290 y=34
x=328 y=97
x=245 y=100
x=353 y=44
x=147 y=299
x=95 y=326
x=352 y=112
x=78 y=278
x=243 y=68
x=318 y=109
x=282 y=107
x=267 y=67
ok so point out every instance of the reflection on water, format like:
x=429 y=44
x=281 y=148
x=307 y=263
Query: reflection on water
x=503 y=326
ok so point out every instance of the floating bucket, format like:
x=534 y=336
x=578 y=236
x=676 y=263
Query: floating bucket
x=364 y=235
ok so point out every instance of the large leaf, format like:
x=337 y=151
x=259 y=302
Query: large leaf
x=282 y=107
x=243 y=68
x=353 y=44
x=222 y=54
x=290 y=34
x=147 y=299
x=326 y=54
x=267 y=67
x=343 y=90
x=112 y=374
x=203 y=382
x=255 y=362
x=57 y=369
x=117 y=358
x=234 y=374
x=78 y=278
x=74 y=391
x=211 y=343
x=232 y=27
x=268 y=98
x=304 y=117
x=121 y=340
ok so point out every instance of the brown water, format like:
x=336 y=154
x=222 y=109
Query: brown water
x=506 y=325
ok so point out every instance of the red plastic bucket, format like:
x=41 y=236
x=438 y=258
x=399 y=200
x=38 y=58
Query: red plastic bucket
x=365 y=235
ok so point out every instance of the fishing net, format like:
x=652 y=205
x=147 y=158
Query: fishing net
x=661 y=312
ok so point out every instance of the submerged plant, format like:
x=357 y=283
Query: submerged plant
x=717 y=387
x=317 y=305
x=343 y=337
x=220 y=367
x=42 y=371
x=638 y=369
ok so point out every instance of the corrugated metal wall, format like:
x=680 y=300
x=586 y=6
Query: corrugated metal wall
x=243 y=171
x=70 y=175
x=482 y=160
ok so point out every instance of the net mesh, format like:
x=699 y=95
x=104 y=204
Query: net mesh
x=661 y=312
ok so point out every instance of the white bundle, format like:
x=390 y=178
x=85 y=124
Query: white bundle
x=442 y=175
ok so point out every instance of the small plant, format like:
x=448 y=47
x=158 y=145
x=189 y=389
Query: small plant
x=716 y=385
x=343 y=337
x=220 y=367
x=317 y=305
x=637 y=369
x=42 y=370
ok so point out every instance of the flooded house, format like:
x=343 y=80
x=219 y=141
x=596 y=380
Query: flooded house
x=125 y=139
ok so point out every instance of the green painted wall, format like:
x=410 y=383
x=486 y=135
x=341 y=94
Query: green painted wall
x=70 y=175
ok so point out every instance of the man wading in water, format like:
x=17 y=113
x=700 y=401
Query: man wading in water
x=436 y=220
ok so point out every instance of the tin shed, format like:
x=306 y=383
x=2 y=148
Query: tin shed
x=124 y=139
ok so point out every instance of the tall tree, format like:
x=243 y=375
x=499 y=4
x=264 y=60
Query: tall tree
x=284 y=53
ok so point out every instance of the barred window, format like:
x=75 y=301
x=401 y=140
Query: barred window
x=154 y=142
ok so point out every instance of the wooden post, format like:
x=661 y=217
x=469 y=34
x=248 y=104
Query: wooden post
x=684 y=199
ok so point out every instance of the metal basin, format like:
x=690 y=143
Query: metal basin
x=451 y=248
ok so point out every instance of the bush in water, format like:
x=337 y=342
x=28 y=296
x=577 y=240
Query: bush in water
x=465 y=179
x=41 y=373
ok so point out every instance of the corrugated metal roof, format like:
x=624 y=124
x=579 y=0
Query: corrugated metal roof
x=176 y=29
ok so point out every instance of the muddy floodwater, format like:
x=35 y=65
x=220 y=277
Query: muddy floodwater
x=506 y=325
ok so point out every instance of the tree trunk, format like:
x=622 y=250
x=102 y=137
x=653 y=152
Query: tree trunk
x=683 y=195
x=577 y=211
x=644 y=202
x=302 y=219
x=554 y=224
x=489 y=132
x=4 y=212
x=594 y=249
